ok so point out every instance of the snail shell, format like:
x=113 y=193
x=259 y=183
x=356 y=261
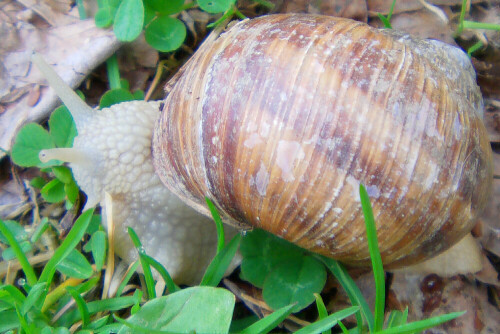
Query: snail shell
x=280 y=118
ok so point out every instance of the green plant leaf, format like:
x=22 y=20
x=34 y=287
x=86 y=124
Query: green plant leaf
x=127 y=277
x=146 y=269
x=169 y=282
x=352 y=290
x=38 y=182
x=35 y=297
x=165 y=33
x=267 y=323
x=215 y=6
x=262 y=252
x=378 y=269
x=221 y=262
x=72 y=239
x=95 y=224
x=62 y=128
x=16 y=230
x=397 y=318
x=72 y=191
x=385 y=21
x=128 y=20
x=63 y=174
x=199 y=309
x=328 y=322
x=418 y=326
x=23 y=260
x=98 y=323
x=40 y=229
x=218 y=223
x=322 y=312
x=115 y=96
x=103 y=305
x=29 y=141
x=98 y=246
x=75 y=265
x=139 y=95
x=149 y=15
x=82 y=306
x=165 y=7
x=294 y=281
x=113 y=70
x=53 y=192
x=10 y=253
x=8 y=321
x=103 y=17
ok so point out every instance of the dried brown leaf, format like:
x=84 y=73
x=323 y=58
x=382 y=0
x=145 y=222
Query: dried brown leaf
x=74 y=50
x=431 y=295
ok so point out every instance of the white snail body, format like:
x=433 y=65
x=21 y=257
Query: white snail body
x=112 y=154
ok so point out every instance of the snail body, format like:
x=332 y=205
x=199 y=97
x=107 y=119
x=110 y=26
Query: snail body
x=112 y=154
x=279 y=119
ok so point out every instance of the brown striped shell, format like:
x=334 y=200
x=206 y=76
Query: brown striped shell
x=280 y=118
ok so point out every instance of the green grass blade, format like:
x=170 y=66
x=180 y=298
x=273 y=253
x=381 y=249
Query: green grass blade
x=21 y=257
x=221 y=262
x=460 y=26
x=126 y=279
x=88 y=285
x=16 y=295
x=391 y=10
x=72 y=239
x=113 y=72
x=148 y=276
x=322 y=312
x=266 y=324
x=41 y=228
x=327 y=323
x=481 y=25
x=35 y=297
x=22 y=320
x=171 y=286
x=218 y=223
x=353 y=292
x=378 y=269
x=476 y=46
x=343 y=327
x=8 y=320
x=81 y=305
x=421 y=325
x=104 y=305
x=397 y=318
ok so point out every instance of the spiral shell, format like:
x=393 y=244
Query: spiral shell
x=280 y=118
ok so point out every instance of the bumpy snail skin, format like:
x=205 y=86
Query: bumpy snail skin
x=112 y=153
x=280 y=119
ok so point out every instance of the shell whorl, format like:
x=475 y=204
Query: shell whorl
x=282 y=117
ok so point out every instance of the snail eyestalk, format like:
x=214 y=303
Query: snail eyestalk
x=77 y=107
x=71 y=155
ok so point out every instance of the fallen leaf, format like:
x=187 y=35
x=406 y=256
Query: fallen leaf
x=74 y=50
x=431 y=295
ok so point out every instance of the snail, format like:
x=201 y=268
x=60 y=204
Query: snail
x=278 y=120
